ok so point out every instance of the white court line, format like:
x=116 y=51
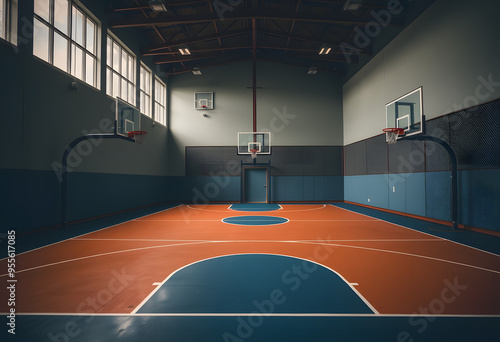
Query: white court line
x=74 y=237
x=225 y=211
x=367 y=303
x=140 y=220
x=414 y=230
x=246 y=314
x=255 y=241
x=103 y=254
x=277 y=241
x=403 y=253
x=145 y=240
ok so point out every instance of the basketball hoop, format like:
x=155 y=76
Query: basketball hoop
x=391 y=134
x=138 y=136
x=253 y=153
x=204 y=106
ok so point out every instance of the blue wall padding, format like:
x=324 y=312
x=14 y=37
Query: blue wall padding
x=377 y=190
x=437 y=195
x=415 y=193
x=480 y=198
x=397 y=192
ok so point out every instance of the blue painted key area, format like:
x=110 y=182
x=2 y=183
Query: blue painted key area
x=255 y=283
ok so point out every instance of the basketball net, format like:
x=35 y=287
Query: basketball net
x=253 y=153
x=392 y=134
x=138 y=136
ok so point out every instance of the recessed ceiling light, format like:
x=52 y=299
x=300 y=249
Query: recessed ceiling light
x=157 y=5
x=312 y=70
x=352 y=5
x=325 y=50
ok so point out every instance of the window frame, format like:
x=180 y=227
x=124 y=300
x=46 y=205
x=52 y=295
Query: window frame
x=110 y=67
x=149 y=96
x=8 y=21
x=157 y=104
x=72 y=45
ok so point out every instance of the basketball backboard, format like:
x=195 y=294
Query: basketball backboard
x=260 y=141
x=204 y=100
x=128 y=118
x=406 y=112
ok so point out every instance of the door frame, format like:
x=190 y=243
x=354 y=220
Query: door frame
x=268 y=182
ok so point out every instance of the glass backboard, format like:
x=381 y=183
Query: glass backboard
x=406 y=112
x=128 y=118
x=260 y=141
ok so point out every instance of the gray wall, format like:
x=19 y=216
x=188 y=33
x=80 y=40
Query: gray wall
x=448 y=50
x=43 y=114
x=299 y=109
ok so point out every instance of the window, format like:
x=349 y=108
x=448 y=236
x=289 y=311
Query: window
x=3 y=19
x=8 y=20
x=145 y=86
x=67 y=37
x=160 y=102
x=120 y=75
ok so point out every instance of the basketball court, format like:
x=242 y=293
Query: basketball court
x=249 y=171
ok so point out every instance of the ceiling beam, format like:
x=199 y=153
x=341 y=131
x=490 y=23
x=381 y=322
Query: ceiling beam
x=151 y=50
x=312 y=40
x=204 y=66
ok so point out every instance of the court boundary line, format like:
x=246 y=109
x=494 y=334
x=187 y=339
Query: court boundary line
x=253 y=241
x=71 y=238
x=277 y=241
x=104 y=254
x=407 y=254
x=415 y=230
x=367 y=303
x=190 y=206
x=249 y=315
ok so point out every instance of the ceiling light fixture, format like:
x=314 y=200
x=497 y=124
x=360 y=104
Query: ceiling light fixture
x=197 y=71
x=184 y=51
x=352 y=5
x=325 y=49
x=312 y=71
x=157 y=5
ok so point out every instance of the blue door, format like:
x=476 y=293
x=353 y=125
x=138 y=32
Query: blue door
x=255 y=187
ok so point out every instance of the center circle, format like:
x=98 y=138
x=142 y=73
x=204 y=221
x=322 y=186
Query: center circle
x=255 y=220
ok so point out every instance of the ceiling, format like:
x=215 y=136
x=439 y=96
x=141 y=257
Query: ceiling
x=291 y=32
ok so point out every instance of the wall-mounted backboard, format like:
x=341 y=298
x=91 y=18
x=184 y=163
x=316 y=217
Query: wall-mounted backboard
x=260 y=141
x=128 y=118
x=204 y=100
x=406 y=112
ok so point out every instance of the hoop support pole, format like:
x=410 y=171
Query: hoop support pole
x=454 y=172
x=64 y=167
